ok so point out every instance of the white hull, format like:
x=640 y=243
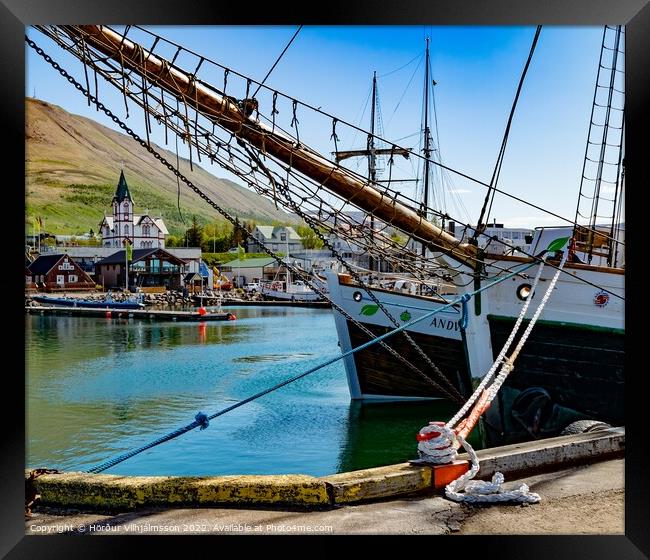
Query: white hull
x=284 y=296
x=575 y=312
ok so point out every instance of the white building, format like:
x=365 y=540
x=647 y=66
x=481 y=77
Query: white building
x=145 y=232
x=499 y=240
x=276 y=239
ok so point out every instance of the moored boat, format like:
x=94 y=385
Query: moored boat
x=107 y=303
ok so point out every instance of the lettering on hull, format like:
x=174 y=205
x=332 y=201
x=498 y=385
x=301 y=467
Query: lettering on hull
x=445 y=324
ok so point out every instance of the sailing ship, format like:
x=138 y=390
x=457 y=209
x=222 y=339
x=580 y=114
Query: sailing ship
x=570 y=367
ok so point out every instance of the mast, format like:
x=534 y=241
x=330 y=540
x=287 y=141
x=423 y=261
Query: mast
x=287 y=261
x=226 y=113
x=427 y=141
x=372 y=160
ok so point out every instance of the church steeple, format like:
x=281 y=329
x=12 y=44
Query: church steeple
x=122 y=192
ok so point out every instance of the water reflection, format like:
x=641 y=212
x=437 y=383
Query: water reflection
x=97 y=388
x=383 y=433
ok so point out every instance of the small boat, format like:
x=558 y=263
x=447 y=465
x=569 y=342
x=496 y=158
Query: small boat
x=295 y=291
x=106 y=303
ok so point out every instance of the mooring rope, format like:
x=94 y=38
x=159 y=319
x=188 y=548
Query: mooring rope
x=438 y=442
x=202 y=419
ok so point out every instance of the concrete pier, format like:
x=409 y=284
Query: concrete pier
x=581 y=474
x=144 y=314
x=579 y=500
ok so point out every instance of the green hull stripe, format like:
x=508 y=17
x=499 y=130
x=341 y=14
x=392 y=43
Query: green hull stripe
x=580 y=326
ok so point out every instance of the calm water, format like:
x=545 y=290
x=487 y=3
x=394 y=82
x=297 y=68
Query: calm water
x=97 y=388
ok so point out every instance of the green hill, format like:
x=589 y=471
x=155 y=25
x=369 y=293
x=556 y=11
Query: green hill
x=73 y=165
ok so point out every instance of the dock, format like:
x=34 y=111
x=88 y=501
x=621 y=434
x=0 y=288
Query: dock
x=267 y=303
x=143 y=314
x=580 y=479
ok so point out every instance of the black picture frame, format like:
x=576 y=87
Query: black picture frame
x=16 y=14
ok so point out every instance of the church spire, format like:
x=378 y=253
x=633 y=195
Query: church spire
x=122 y=191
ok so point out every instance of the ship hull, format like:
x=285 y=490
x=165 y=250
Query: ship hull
x=89 y=304
x=277 y=295
x=573 y=358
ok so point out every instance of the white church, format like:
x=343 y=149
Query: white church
x=144 y=232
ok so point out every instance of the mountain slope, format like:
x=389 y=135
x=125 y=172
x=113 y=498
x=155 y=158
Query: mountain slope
x=73 y=165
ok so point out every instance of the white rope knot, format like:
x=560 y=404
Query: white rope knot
x=436 y=443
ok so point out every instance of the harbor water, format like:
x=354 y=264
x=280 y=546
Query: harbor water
x=99 y=387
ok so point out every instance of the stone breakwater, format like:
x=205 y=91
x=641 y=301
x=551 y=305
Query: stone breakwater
x=165 y=299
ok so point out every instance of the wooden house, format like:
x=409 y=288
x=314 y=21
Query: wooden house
x=57 y=273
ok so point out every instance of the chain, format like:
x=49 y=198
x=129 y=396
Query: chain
x=221 y=211
x=309 y=220
x=367 y=289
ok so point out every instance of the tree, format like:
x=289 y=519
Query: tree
x=237 y=237
x=173 y=241
x=194 y=234
x=397 y=238
x=308 y=237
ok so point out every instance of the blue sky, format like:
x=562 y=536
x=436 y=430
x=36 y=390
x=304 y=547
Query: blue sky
x=476 y=70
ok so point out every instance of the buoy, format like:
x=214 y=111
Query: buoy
x=108 y=314
x=202 y=310
x=232 y=317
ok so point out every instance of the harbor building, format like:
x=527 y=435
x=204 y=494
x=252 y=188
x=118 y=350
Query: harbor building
x=54 y=273
x=149 y=269
x=243 y=271
x=276 y=238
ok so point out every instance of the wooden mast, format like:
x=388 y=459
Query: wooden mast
x=427 y=142
x=372 y=160
x=225 y=112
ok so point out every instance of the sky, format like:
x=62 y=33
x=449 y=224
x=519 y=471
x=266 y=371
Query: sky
x=476 y=70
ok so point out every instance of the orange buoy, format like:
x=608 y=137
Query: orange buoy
x=202 y=310
x=232 y=317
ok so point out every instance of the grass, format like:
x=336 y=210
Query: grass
x=212 y=259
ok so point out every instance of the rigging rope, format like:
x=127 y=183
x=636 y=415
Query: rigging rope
x=235 y=222
x=52 y=32
x=489 y=195
x=399 y=257
x=201 y=419
x=276 y=62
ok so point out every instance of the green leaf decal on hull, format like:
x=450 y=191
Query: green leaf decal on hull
x=557 y=244
x=369 y=309
x=405 y=316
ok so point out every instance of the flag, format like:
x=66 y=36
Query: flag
x=241 y=254
x=129 y=250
